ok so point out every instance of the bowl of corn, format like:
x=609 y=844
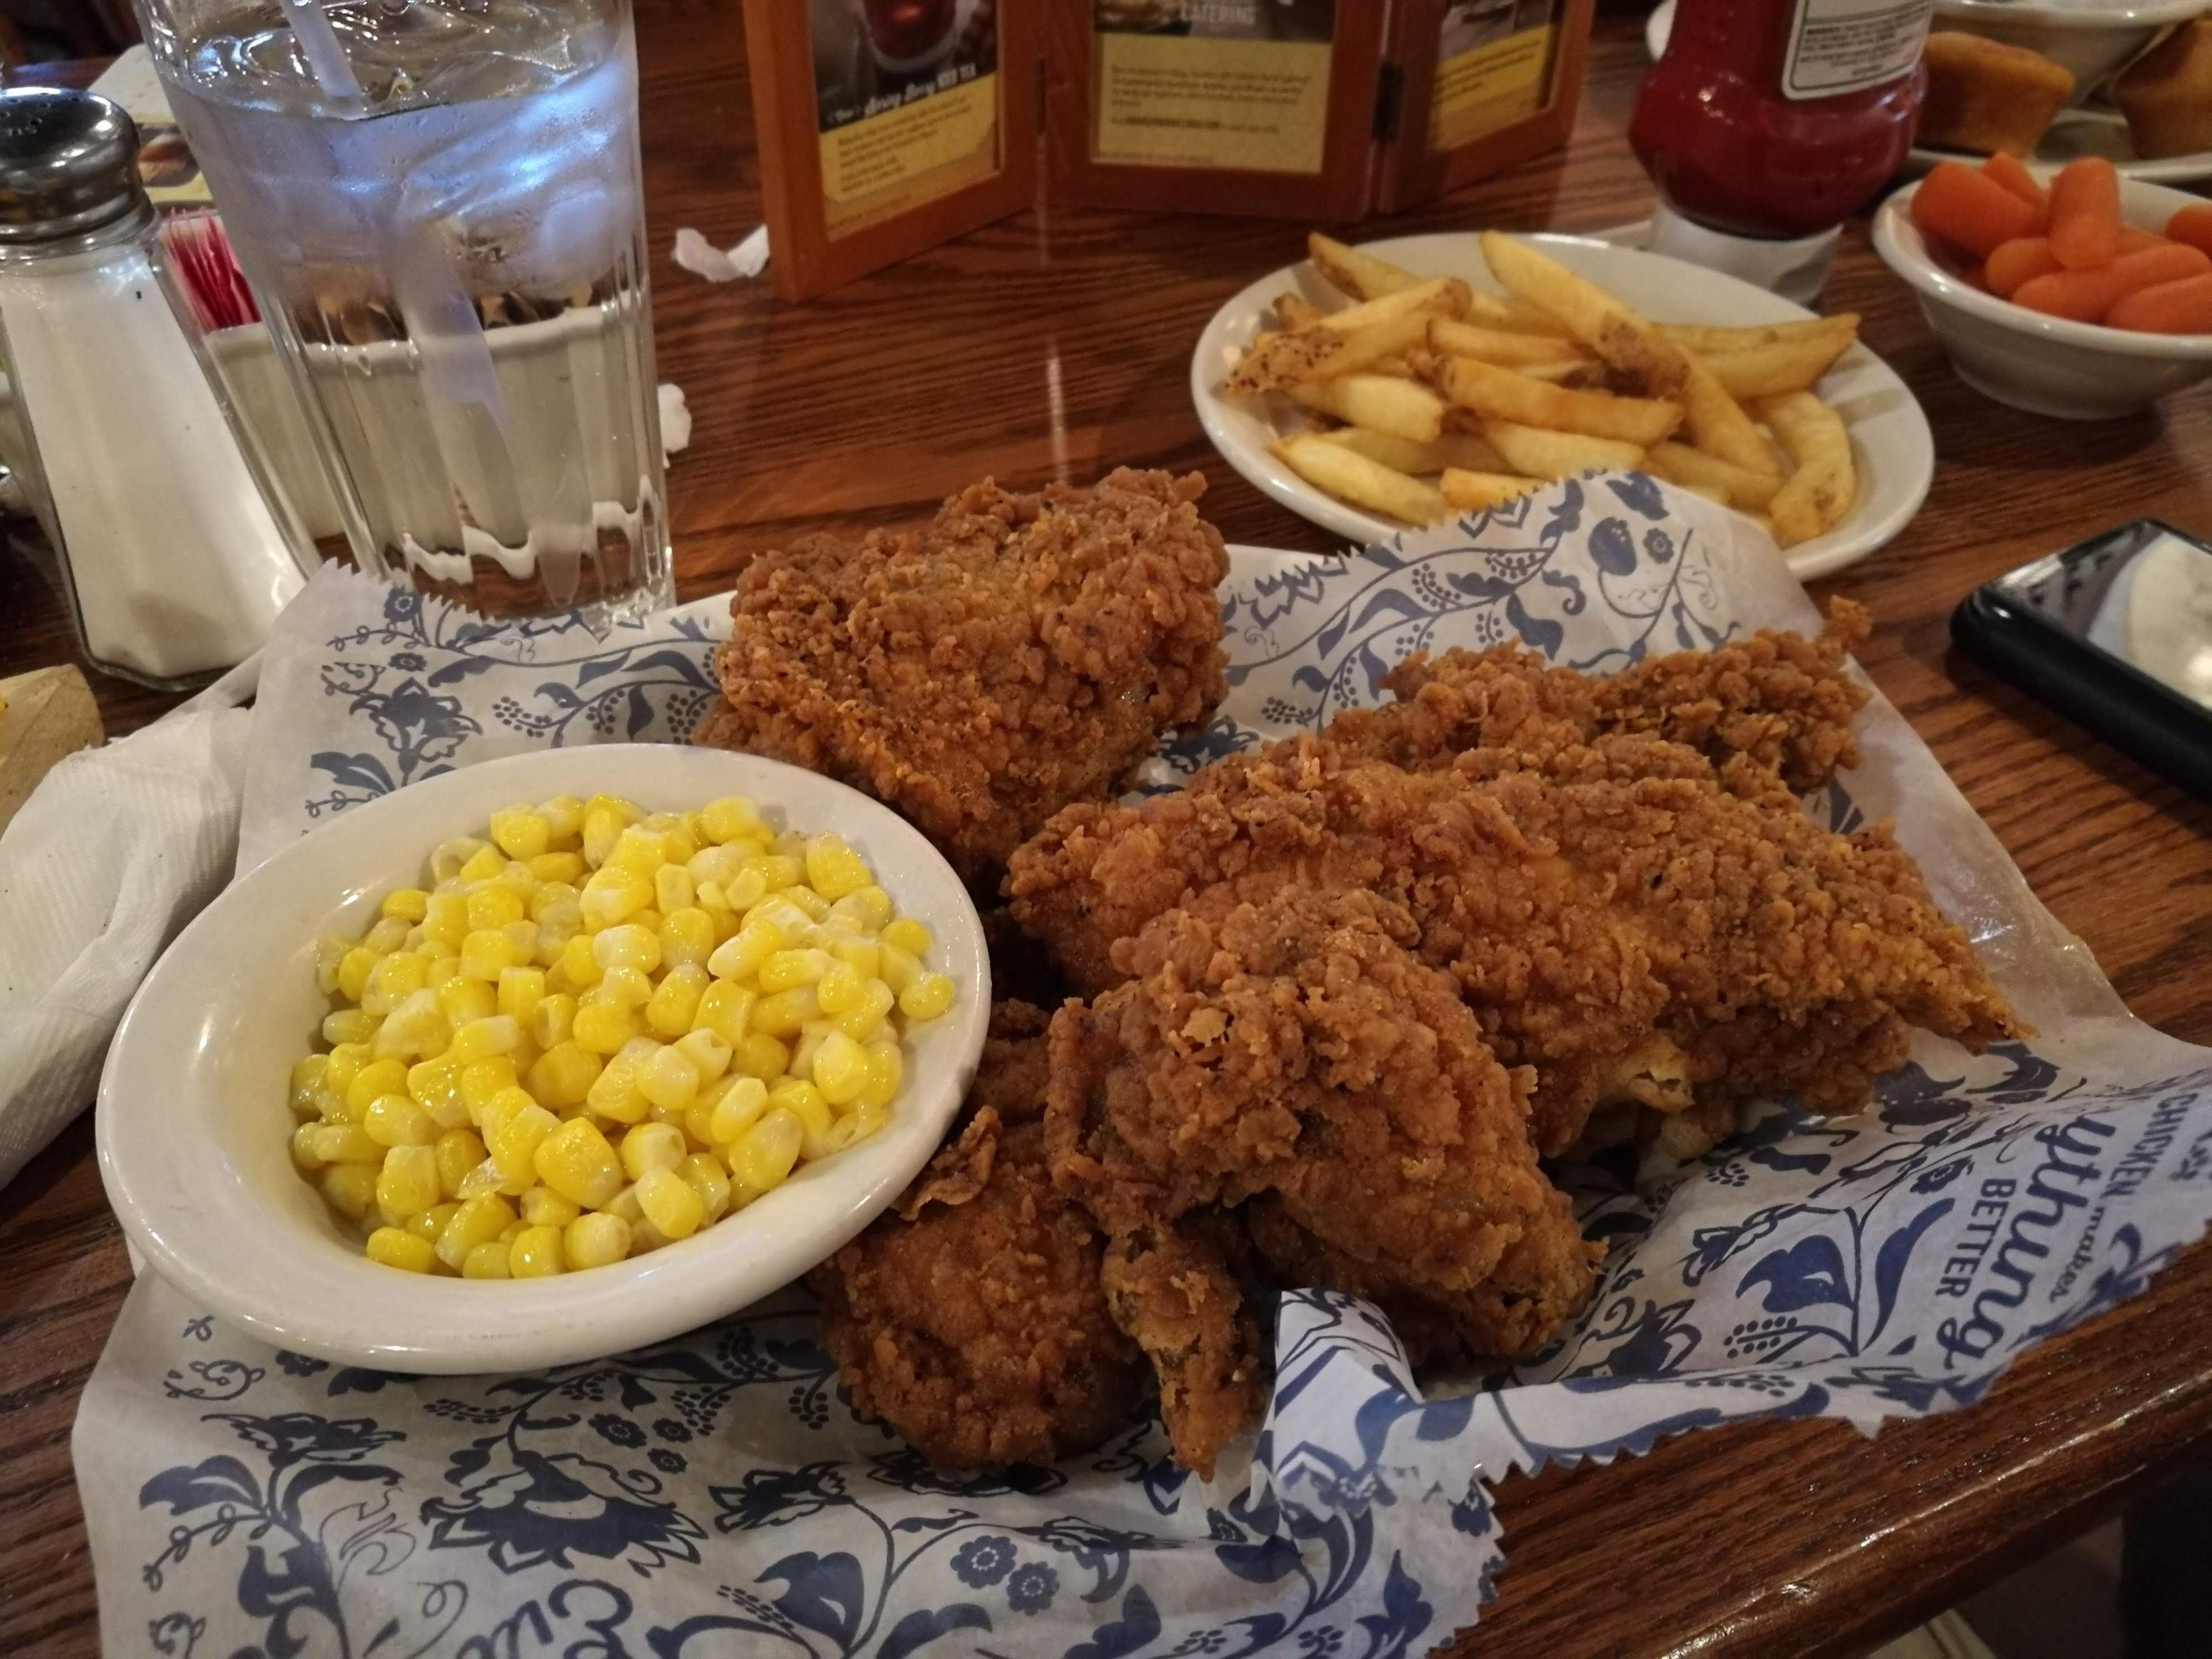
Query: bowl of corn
x=548 y=1058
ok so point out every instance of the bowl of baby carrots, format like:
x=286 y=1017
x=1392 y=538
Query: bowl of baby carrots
x=2076 y=293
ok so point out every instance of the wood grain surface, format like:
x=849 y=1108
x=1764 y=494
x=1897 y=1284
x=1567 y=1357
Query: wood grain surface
x=1056 y=344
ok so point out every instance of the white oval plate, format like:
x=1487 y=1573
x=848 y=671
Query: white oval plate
x=1890 y=440
x=194 y=1126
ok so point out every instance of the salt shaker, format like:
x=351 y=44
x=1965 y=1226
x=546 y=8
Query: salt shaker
x=176 y=555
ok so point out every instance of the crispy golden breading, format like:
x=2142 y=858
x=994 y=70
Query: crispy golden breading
x=1020 y=653
x=1170 y=1287
x=973 y=1318
x=1296 y=1048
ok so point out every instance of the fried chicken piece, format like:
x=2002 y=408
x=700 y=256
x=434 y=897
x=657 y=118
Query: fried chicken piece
x=1020 y=653
x=973 y=1318
x=1781 y=700
x=1625 y=918
x=1296 y=1048
x=1171 y=1288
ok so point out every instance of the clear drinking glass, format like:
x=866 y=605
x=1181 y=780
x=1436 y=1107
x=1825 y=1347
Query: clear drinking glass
x=436 y=203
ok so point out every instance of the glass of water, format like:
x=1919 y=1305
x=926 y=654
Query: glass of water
x=436 y=205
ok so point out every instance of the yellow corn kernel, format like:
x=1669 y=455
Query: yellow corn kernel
x=521 y=990
x=486 y=1261
x=458 y=1151
x=410 y=904
x=732 y=816
x=514 y=1228
x=611 y=896
x=552 y=1020
x=408 y=1182
x=353 y=971
x=624 y=1204
x=675 y=1004
x=344 y=1064
x=486 y=951
x=614 y=1094
x=484 y=1080
x=417 y=1026
x=833 y=869
x=810 y=1040
x=391 y=981
x=687 y=936
x=804 y=1102
x=563 y=1076
x=677 y=842
x=522 y=938
x=756 y=1054
x=787 y=969
x=595 y=1241
x=863 y=1121
x=427 y=1225
x=725 y=1009
x=448 y=856
x=865 y=1018
x=576 y=1162
x=708 y=1054
x=306 y=1078
x=475 y=1223
x=338 y=1109
x=351 y=1024
x=378 y=1077
x=764 y=1155
x=482 y=1039
x=579 y=963
x=900 y=968
x=536 y=1254
x=737 y=1111
x=544 y=1207
x=445 y=918
x=926 y=998
x=669 y=1202
x=397 y=1120
x=305 y=1158
x=602 y=827
x=744 y=887
x=651 y=1146
x=809 y=904
x=330 y=951
x=886 y=1067
x=513 y=1144
x=520 y=833
x=603 y=1027
x=908 y=934
x=627 y=946
x=740 y=955
x=403 y=1250
x=872 y=904
x=563 y=816
x=482 y=865
x=385 y=935
x=784 y=1013
x=703 y=1173
x=779 y=870
x=641 y=850
x=840 y=1069
x=840 y=988
x=673 y=888
x=349 y=1188
x=620 y=987
x=668 y=1079
x=465 y=999
x=494 y=905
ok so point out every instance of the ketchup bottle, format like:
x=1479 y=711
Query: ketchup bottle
x=1766 y=123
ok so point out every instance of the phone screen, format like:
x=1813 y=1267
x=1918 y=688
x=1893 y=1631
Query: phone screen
x=2141 y=593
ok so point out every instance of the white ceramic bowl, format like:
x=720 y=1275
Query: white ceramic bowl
x=2092 y=41
x=2045 y=365
x=1890 y=440
x=193 y=1123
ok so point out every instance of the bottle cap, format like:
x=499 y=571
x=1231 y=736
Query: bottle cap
x=1795 y=268
x=69 y=164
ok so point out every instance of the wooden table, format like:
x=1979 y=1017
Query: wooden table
x=1055 y=345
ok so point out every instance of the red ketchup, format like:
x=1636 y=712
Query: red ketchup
x=1777 y=118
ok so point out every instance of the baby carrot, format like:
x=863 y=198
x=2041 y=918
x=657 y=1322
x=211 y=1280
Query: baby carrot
x=2021 y=260
x=2084 y=214
x=2182 y=307
x=2192 y=225
x=2085 y=295
x=2013 y=175
x=2134 y=240
x=1970 y=209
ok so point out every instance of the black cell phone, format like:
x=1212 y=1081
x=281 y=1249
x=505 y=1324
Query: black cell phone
x=2116 y=634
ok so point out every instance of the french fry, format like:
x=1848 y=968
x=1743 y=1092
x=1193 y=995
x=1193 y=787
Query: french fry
x=1361 y=275
x=1580 y=373
x=1406 y=408
x=1718 y=424
x=1514 y=315
x=1294 y=310
x=1435 y=296
x=1505 y=346
x=1694 y=468
x=1490 y=390
x=1541 y=454
x=1472 y=492
x=1820 y=492
x=1701 y=338
x=1466 y=450
x=1347 y=474
x=1780 y=365
x=1398 y=369
x=1278 y=362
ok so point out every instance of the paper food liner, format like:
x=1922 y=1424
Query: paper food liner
x=716 y=1495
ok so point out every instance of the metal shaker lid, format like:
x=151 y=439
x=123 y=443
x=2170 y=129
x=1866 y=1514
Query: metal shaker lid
x=69 y=164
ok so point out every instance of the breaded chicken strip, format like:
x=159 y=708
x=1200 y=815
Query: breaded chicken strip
x=1022 y=651
x=1295 y=1048
x=972 y=1318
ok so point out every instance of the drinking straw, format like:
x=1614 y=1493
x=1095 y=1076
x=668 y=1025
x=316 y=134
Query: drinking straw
x=325 y=55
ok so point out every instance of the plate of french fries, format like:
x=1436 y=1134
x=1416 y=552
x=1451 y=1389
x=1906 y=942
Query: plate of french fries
x=1378 y=388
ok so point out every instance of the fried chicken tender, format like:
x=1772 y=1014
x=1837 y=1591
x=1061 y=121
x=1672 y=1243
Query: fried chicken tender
x=1021 y=652
x=973 y=1318
x=1631 y=921
x=1296 y=1048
